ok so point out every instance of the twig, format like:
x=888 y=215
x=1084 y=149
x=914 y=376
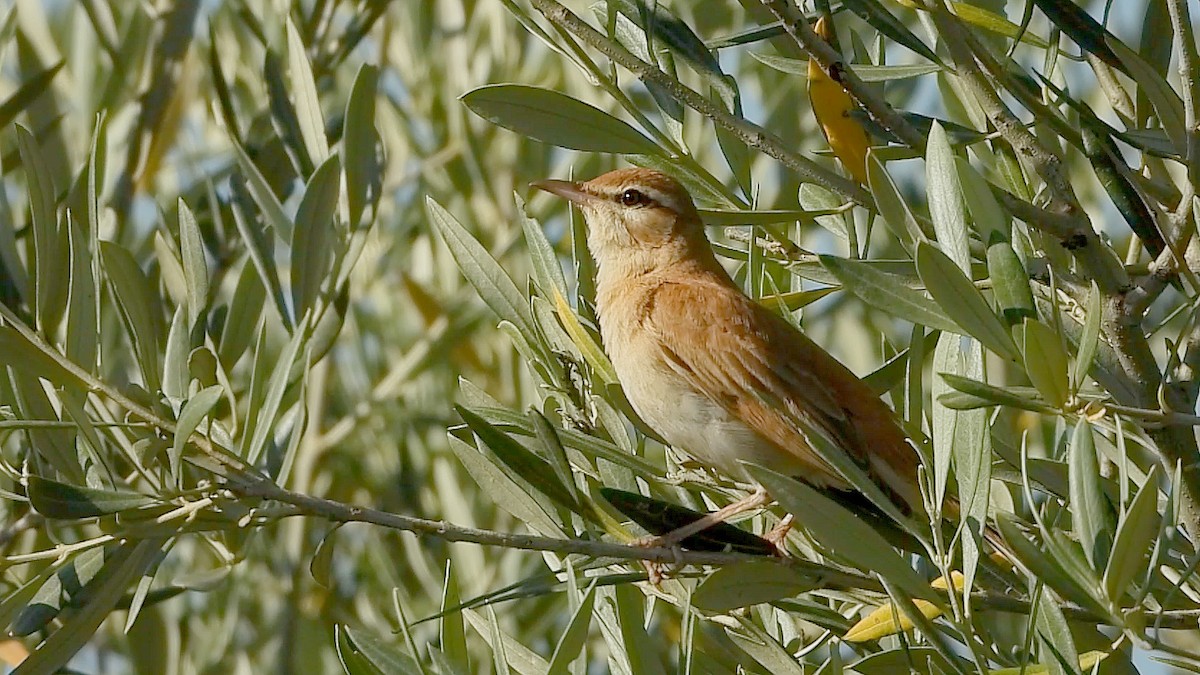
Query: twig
x=823 y=577
x=1185 y=51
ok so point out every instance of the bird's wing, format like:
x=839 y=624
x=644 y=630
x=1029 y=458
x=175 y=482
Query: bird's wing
x=786 y=387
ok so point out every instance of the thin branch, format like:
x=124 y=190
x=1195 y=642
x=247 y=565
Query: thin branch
x=823 y=577
x=1189 y=61
x=328 y=509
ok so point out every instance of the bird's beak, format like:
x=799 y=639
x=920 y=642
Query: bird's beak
x=572 y=192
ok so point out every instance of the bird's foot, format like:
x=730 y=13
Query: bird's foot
x=778 y=534
x=656 y=570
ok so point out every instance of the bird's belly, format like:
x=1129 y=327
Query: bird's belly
x=699 y=426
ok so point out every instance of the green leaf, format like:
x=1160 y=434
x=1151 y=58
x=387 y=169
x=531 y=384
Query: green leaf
x=321 y=565
x=1136 y=532
x=948 y=363
x=525 y=464
x=57 y=447
x=58 y=590
x=662 y=28
x=175 y=376
x=244 y=317
x=547 y=270
x=771 y=657
x=195 y=266
x=260 y=249
x=843 y=533
x=139 y=303
x=262 y=194
x=503 y=491
x=972 y=450
x=451 y=630
x=353 y=661
x=83 y=323
x=883 y=21
x=303 y=94
x=641 y=649
x=19 y=353
x=382 y=654
x=817 y=199
x=1089 y=338
x=1046 y=362
x=1166 y=102
x=315 y=239
x=557 y=119
x=1090 y=511
x=121 y=567
x=23 y=596
x=892 y=207
x=865 y=71
x=749 y=583
x=961 y=301
x=50 y=267
x=981 y=203
x=61 y=501
x=1087 y=664
x=193 y=412
x=1010 y=281
x=945 y=195
x=364 y=173
x=83 y=295
x=1054 y=632
x=570 y=645
x=524 y=660
x=281 y=462
x=887 y=293
x=727 y=217
x=266 y=412
x=490 y=280
x=596 y=359
x=1045 y=568
x=556 y=453
x=589 y=445
x=976 y=394
x=31 y=88
x=911 y=659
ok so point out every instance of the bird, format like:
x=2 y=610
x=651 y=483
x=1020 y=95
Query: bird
x=713 y=372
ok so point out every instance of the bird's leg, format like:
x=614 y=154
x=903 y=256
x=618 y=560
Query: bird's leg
x=754 y=500
x=779 y=533
x=672 y=539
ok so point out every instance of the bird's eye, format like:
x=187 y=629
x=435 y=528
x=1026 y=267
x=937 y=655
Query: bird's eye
x=633 y=197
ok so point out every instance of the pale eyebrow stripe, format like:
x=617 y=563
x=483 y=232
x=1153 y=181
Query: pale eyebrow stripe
x=662 y=198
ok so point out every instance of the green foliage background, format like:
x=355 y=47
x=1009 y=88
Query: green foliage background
x=254 y=257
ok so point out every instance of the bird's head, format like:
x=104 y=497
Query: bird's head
x=636 y=217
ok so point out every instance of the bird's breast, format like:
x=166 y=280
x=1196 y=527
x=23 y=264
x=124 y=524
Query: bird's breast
x=684 y=416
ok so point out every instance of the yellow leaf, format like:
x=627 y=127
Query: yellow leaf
x=587 y=346
x=883 y=621
x=984 y=19
x=832 y=105
x=1086 y=663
